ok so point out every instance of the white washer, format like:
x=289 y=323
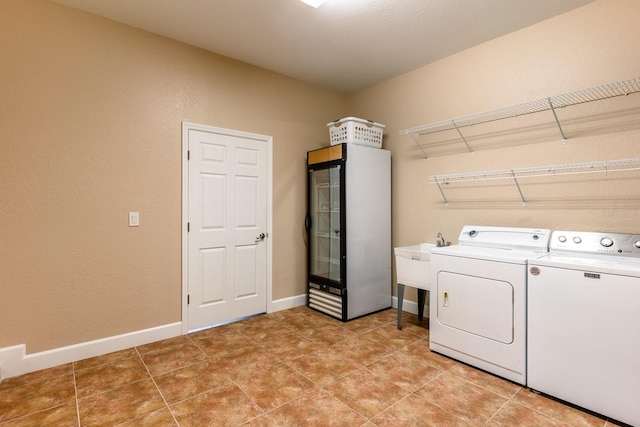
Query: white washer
x=478 y=297
x=584 y=322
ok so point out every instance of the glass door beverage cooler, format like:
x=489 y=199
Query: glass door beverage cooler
x=349 y=230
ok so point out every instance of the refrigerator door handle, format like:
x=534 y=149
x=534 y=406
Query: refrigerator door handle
x=307 y=222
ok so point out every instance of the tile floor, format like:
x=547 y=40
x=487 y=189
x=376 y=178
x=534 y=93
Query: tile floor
x=295 y=367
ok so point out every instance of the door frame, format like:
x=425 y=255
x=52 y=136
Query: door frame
x=268 y=141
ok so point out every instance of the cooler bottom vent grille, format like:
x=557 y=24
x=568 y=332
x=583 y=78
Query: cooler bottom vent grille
x=326 y=303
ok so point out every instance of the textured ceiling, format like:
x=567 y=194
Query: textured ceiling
x=345 y=45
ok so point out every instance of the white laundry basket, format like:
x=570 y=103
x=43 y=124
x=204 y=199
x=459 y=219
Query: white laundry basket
x=356 y=131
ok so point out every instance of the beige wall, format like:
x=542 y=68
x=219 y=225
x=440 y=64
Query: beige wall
x=90 y=129
x=590 y=46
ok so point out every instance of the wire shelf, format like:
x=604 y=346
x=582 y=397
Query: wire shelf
x=611 y=90
x=606 y=167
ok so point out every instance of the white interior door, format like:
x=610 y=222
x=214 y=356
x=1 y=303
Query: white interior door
x=227 y=217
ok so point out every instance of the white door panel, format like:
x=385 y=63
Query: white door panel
x=227 y=212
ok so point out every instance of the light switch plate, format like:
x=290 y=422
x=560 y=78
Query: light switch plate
x=134 y=219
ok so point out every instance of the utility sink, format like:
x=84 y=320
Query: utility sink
x=413 y=265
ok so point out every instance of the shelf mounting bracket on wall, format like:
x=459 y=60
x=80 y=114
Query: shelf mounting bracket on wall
x=462 y=136
x=446 y=202
x=555 y=116
x=513 y=176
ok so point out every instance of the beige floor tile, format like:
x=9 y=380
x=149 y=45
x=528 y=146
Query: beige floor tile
x=190 y=381
x=36 y=376
x=105 y=359
x=366 y=392
x=262 y=329
x=324 y=365
x=556 y=410
x=120 y=404
x=36 y=396
x=367 y=323
x=420 y=350
x=415 y=411
x=391 y=337
x=224 y=406
x=316 y=409
x=273 y=387
x=291 y=346
x=101 y=378
x=160 y=418
x=223 y=345
x=410 y=323
x=485 y=380
x=361 y=350
x=513 y=414
x=461 y=398
x=328 y=335
x=59 y=416
x=163 y=344
x=167 y=359
x=404 y=370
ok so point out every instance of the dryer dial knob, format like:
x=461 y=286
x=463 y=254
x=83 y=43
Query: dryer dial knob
x=637 y=244
x=562 y=239
x=606 y=242
x=577 y=240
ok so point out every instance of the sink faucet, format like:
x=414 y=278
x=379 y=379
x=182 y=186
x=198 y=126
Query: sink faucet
x=440 y=242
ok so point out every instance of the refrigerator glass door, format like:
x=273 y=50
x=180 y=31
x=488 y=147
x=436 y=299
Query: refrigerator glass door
x=325 y=207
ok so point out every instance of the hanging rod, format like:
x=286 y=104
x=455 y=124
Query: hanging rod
x=606 y=91
x=605 y=167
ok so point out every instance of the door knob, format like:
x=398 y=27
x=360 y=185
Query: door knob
x=260 y=237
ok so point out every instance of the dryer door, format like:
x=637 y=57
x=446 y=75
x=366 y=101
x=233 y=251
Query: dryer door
x=478 y=313
x=476 y=305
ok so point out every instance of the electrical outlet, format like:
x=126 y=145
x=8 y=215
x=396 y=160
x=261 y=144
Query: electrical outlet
x=134 y=219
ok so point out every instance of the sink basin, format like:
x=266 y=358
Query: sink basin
x=413 y=265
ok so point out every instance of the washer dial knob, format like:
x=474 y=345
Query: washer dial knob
x=606 y=242
x=577 y=240
x=637 y=244
x=562 y=239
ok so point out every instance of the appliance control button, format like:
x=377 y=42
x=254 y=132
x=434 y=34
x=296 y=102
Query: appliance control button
x=637 y=244
x=577 y=240
x=606 y=242
x=562 y=239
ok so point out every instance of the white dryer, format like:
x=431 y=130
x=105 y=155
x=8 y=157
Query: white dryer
x=478 y=297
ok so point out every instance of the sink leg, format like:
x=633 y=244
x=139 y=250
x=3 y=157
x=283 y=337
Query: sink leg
x=400 y=300
x=422 y=297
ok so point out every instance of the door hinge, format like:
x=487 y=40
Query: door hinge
x=188 y=299
x=188 y=227
x=188 y=154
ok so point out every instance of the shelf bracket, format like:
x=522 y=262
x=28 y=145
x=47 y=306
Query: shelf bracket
x=446 y=202
x=555 y=116
x=513 y=176
x=453 y=122
x=419 y=146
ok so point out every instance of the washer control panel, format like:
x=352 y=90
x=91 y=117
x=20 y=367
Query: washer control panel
x=617 y=244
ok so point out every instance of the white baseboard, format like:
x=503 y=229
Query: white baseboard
x=285 y=303
x=14 y=360
x=409 y=306
x=298 y=300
